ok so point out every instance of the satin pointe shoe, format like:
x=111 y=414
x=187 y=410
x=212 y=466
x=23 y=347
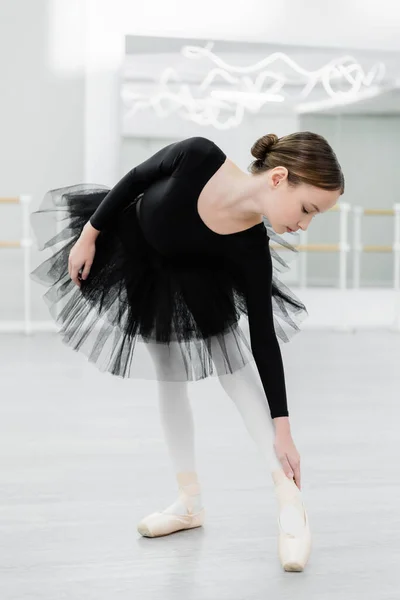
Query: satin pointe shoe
x=159 y=524
x=294 y=542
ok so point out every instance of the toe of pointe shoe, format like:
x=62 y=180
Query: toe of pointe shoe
x=158 y=524
x=294 y=551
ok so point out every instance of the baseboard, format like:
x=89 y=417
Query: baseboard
x=33 y=327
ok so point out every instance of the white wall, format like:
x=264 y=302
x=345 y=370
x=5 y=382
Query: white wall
x=339 y=24
x=41 y=128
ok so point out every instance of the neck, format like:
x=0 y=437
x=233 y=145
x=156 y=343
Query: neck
x=246 y=196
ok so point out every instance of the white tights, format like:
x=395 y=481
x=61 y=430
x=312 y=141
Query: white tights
x=245 y=390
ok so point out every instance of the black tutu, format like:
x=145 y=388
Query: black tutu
x=136 y=304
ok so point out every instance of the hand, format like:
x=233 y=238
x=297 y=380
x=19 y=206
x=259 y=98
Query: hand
x=288 y=456
x=81 y=259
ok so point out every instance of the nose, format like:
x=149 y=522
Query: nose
x=305 y=223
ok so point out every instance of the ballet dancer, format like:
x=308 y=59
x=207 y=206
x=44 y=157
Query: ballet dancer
x=175 y=259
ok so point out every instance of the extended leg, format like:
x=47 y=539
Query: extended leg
x=178 y=426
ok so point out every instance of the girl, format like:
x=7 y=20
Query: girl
x=173 y=264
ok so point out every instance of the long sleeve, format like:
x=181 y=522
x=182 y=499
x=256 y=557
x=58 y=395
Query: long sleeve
x=257 y=272
x=159 y=165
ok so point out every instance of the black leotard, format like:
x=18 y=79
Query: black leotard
x=170 y=183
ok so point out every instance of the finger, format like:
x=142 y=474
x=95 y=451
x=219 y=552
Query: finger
x=74 y=276
x=286 y=467
x=295 y=465
x=86 y=270
x=297 y=477
x=74 y=272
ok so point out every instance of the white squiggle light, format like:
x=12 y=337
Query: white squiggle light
x=248 y=93
x=335 y=69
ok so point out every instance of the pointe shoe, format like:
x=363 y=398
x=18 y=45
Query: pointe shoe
x=294 y=544
x=294 y=550
x=159 y=524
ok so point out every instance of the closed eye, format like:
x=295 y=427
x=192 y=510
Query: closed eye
x=305 y=211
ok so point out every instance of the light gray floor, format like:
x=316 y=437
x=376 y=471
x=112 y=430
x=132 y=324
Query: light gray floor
x=83 y=459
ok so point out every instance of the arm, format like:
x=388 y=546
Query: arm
x=160 y=164
x=257 y=271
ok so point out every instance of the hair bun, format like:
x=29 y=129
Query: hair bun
x=264 y=145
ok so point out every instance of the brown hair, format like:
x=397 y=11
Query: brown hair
x=307 y=156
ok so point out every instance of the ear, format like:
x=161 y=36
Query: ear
x=278 y=175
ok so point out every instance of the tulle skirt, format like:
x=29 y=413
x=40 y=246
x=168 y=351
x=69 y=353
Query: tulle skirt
x=143 y=315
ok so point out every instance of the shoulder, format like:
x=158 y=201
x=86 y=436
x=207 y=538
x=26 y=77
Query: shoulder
x=193 y=151
x=197 y=142
x=199 y=146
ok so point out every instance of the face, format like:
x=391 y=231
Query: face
x=295 y=207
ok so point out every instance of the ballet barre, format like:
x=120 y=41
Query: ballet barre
x=358 y=247
x=9 y=200
x=25 y=243
x=342 y=247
